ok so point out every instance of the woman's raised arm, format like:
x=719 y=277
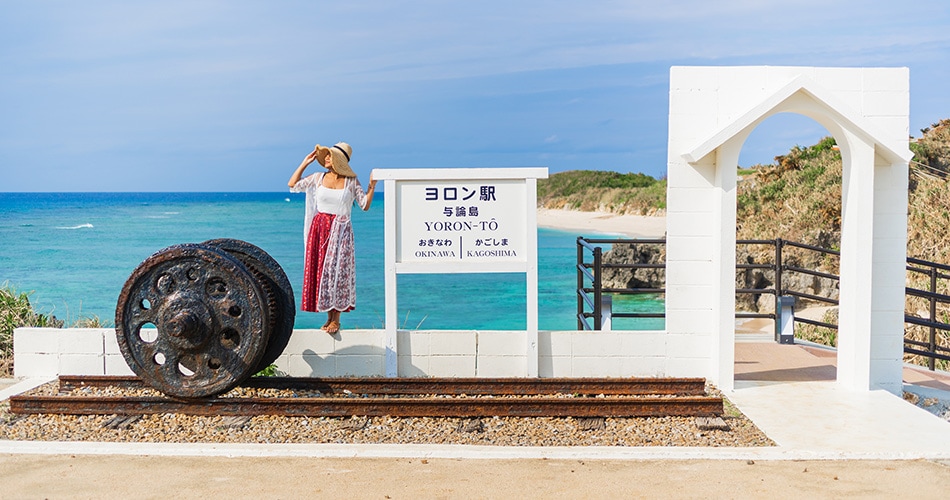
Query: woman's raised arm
x=310 y=158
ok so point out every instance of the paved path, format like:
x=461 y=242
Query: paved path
x=66 y=476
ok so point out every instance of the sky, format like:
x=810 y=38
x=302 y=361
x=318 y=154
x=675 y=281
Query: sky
x=230 y=95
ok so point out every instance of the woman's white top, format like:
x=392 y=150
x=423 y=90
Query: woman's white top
x=332 y=201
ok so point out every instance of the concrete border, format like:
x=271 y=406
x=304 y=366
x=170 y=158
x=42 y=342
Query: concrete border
x=447 y=451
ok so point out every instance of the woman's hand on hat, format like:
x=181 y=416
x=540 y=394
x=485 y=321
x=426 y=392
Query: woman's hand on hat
x=312 y=156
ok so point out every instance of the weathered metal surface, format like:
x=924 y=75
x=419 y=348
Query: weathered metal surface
x=403 y=397
x=446 y=386
x=210 y=314
x=280 y=296
x=644 y=406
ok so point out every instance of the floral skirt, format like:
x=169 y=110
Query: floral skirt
x=329 y=276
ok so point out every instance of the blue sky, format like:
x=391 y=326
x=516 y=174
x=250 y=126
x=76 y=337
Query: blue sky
x=230 y=95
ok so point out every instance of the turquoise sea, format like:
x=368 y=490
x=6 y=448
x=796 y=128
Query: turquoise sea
x=74 y=251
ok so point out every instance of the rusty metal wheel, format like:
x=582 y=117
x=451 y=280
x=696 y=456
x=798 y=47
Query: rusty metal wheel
x=280 y=294
x=191 y=321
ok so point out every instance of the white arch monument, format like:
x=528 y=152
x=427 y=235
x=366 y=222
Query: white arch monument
x=712 y=112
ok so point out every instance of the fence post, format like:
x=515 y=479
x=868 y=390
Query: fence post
x=598 y=286
x=580 y=283
x=778 y=269
x=931 y=361
x=785 y=320
x=606 y=312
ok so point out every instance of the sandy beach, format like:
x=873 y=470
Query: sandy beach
x=603 y=223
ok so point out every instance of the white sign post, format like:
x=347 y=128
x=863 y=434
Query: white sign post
x=461 y=220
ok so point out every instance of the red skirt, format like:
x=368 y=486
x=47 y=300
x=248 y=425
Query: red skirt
x=314 y=257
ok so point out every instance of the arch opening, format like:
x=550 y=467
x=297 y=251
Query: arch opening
x=794 y=196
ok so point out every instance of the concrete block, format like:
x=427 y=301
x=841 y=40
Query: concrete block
x=878 y=79
x=82 y=341
x=110 y=344
x=643 y=343
x=895 y=128
x=890 y=250
x=751 y=79
x=501 y=366
x=693 y=223
x=689 y=320
x=358 y=342
x=452 y=366
x=412 y=366
x=886 y=103
x=689 y=345
x=688 y=367
x=697 y=295
x=692 y=199
x=853 y=102
x=82 y=364
x=555 y=366
x=685 y=271
x=886 y=375
x=311 y=365
x=452 y=343
x=683 y=175
x=681 y=247
x=115 y=364
x=597 y=366
x=693 y=102
x=29 y=364
x=889 y=300
x=692 y=129
x=554 y=343
x=889 y=198
x=412 y=343
x=889 y=220
x=360 y=366
x=694 y=77
x=643 y=366
x=283 y=364
x=37 y=340
x=839 y=79
x=592 y=344
x=310 y=340
x=506 y=343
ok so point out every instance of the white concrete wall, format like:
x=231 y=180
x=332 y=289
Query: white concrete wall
x=712 y=112
x=48 y=352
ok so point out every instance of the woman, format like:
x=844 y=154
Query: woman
x=329 y=278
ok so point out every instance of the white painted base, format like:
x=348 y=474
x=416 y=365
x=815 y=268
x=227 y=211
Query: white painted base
x=48 y=352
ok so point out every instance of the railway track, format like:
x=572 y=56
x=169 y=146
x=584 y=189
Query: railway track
x=398 y=397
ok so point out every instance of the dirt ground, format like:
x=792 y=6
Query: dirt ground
x=65 y=476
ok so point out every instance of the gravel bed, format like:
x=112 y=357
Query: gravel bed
x=500 y=431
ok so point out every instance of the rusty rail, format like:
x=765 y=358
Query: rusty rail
x=443 y=386
x=401 y=398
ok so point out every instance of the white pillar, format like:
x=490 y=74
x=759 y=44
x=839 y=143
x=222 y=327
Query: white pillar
x=857 y=238
x=724 y=261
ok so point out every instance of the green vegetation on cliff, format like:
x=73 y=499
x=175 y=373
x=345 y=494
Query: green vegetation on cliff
x=598 y=190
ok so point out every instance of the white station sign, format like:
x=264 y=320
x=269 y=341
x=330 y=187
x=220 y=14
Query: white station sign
x=470 y=221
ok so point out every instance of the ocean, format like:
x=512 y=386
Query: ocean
x=73 y=252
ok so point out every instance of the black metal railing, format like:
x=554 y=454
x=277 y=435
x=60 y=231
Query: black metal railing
x=931 y=349
x=590 y=298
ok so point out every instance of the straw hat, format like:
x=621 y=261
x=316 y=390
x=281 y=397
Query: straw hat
x=341 y=152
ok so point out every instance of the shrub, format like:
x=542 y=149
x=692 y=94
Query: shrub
x=16 y=311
